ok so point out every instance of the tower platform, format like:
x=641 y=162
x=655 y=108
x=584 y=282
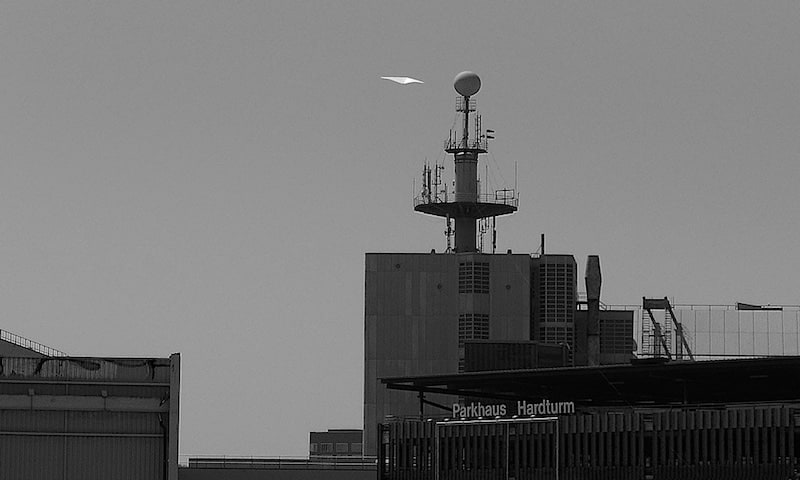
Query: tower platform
x=486 y=206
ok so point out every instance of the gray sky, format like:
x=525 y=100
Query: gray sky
x=205 y=177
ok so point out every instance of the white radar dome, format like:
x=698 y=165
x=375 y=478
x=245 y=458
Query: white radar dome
x=467 y=83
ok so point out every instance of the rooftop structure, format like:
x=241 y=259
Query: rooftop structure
x=718 y=331
x=423 y=311
x=468 y=204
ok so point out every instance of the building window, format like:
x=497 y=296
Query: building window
x=473 y=277
x=326 y=448
x=471 y=326
x=556 y=293
x=557 y=335
x=356 y=448
x=341 y=448
x=616 y=336
x=314 y=448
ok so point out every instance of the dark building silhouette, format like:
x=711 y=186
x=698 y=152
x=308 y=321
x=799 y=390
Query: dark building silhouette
x=425 y=311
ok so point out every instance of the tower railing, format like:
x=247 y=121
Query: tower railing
x=30 y=344
x=479 y=144
x=499 y=197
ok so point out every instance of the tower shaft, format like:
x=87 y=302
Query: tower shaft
x=466 y=174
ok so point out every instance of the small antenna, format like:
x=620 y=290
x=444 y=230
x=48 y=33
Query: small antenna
x=483 y=228
x=515 y=177
x=486 y=178
x=428 y=181
x=439 y=183
x=449 y=234
x=481 y=231
x=494 y=234
x=477 y=129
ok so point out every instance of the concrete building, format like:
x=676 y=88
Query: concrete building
x=617 y=344
x=86 y=418
x=422 y=309
x=338 y=442
x=554 y=298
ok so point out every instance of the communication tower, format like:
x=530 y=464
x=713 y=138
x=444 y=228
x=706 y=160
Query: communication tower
x=468 y=204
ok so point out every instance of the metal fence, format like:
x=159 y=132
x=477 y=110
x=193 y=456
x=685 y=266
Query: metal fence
x=30 y=344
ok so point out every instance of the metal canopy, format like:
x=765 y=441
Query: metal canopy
x=640 y=384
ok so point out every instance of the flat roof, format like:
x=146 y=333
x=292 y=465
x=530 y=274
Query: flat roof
x=642 y=383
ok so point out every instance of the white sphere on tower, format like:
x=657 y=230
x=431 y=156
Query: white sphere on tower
x=467 y=83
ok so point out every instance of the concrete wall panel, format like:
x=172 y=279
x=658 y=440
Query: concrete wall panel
x=31 y=457
x=271 y=474
x=99 y=458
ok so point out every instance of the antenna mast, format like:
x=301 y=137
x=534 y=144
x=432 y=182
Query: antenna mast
x=470 y=203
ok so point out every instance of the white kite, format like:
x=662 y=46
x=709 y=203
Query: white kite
x=403 y=80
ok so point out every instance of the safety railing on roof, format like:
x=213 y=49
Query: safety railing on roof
x=583 y=299
x=30 y=344
x=334 y=462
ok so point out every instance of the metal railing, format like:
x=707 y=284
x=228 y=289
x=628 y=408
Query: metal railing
x=583 y=299
x=472 y=144
x=499 y=197
x=30 y=344
x=333 y=462
x=750 y=335
x=705 y=306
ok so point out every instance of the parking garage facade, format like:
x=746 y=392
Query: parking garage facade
x=665 y=421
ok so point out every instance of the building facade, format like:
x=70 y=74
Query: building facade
x=616 y=337
x=554 y=292
x=722 y=443
x=490 y=355
x=716 y=420
x=421 y=309
x=89 y=418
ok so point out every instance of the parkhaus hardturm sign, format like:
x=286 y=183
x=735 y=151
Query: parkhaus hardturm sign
x=545 y=407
